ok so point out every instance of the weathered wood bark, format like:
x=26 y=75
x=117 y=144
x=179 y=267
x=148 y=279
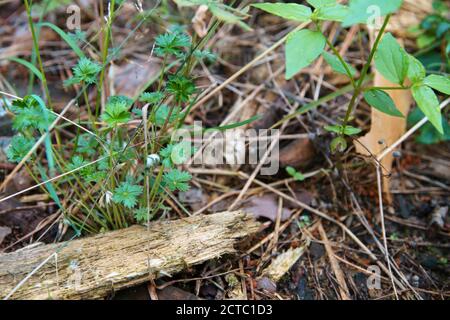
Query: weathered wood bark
x=93 y=267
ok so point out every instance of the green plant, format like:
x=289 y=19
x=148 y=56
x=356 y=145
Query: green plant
x=295 y=174
x=112 y=173
x=304 y=46
x=433 y=37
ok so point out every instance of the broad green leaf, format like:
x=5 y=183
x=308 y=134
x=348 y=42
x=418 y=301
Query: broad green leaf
x=381 y=101
x=364 y=11
x=391 y=60
x=335 y=12
x=416 y=70
x=337 y=65
x=439 y=83
x=69 y=40
x=320 y=3
x=302 y=48
x=429 y=104
x=290 y=11
x=29 y=66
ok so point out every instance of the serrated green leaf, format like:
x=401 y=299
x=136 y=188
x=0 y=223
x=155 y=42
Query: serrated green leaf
x=381 y=101
x=337 y=65
x=391 y=60
x=361 y=11
x=416 y=70
x=429 y=104
x=335 y=12
x=302 y=48
x=290 y=11
x=439 y=83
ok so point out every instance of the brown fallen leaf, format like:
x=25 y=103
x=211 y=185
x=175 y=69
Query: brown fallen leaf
x=4 y=232
x=199 y=21
x=298 y=153
x=265 y=206
x=131 y=78
x=174 y=293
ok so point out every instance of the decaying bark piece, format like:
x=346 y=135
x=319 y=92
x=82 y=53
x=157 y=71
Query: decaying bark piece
x=93 y=267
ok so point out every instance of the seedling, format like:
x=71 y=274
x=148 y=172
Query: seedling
x=305 y=46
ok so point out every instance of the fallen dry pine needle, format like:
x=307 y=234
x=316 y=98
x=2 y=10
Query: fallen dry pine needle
x=93 y=267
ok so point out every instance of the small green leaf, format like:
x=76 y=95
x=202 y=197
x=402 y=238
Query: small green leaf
x=297 y=57
x=348 y=130
x=290 y=11
x=429 y=104
x=334 y=12
x=116 y=111
x=361 y=11
x=19 y=148
x=295 y=174
x=381 y=101
x=439 y=83
x=337 y=65
x=127 y=194
x=391 y=60
x=416 y=70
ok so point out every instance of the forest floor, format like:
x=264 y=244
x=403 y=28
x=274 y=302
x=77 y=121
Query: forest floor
x=333 y=264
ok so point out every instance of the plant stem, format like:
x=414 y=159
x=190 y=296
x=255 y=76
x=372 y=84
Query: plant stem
x=344 y=64
x=386 y=88
x=38 y=55
x=364 y=72
x=104 y=56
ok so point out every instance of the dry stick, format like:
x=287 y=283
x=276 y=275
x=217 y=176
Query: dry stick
x=247 y=66
x=33 y=149
x=383 y=228
x=343 y=289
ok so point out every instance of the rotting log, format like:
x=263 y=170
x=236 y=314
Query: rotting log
x=94 y=267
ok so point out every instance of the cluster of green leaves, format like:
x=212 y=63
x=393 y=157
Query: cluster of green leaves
x=303 y=47
x=31 y=117
x=85 y=71
x=434 y=29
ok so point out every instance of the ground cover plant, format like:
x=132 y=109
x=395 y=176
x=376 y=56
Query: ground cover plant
x=95 y=100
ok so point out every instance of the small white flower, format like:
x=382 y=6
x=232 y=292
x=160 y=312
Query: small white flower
x=152 y=159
